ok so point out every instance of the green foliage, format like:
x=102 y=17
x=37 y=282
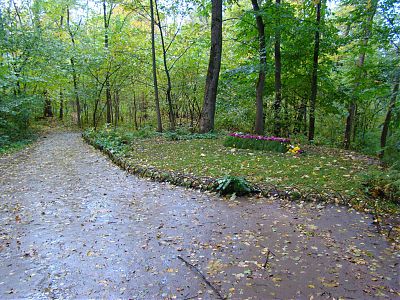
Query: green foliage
x=129 y=135
x=117 y=140
x=241 y=143
x=37 y=50
x=234 y=185
x=16 y=114
x=175 y=136
x=384 y=185
x=107 y=139
x=7 y=145
x=392 y=150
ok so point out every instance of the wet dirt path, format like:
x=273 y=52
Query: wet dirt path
x=73 y=225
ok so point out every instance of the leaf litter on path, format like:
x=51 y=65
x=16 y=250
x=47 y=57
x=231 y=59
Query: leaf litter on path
x=73 y=225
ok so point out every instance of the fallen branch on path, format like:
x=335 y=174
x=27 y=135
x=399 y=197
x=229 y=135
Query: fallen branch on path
x=267 y=259
x=193 y=268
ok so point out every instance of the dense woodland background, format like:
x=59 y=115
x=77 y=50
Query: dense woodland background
x=319 y=71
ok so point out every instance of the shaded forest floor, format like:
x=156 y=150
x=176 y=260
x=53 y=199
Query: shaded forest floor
x=73 y=225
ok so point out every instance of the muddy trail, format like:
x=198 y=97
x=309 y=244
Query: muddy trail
x=73 y=225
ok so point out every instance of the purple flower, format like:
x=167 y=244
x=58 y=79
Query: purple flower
x=260 y=137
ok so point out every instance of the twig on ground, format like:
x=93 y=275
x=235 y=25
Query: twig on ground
x=193 y=268
x=267 y=259
x=389 y=231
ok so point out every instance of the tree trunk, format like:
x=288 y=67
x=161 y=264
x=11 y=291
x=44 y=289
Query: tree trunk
x=371 y=10
x=214 y=66
x=47 y=112
x=169 y=85
x=74 y=74
x=116 y=108
x=153 y=53
x=61 y=115
x=278 y=72
x=259 y=124
x=349 y=125
x=135 y=111
x=301 y=117
x=386 y=123
x=314 y=76
x=108 y=87
x=77 y=100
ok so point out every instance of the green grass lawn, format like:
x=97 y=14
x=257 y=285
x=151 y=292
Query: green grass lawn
x=310 y=171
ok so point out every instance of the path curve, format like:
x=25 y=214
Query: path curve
x=73 y=225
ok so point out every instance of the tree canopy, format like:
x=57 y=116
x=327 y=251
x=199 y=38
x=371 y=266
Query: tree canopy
x=327 y=72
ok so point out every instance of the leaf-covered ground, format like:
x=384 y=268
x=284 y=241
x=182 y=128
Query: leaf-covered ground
x=72 y=225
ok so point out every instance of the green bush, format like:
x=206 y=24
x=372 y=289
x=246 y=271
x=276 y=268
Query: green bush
x=392 y=150
x=176 y=136
x=234 y=185
x=242 y=143
x=107 y=139
x=383 y=185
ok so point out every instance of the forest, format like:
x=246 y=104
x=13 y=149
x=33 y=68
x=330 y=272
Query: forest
x=323 y=72
x=255 y=148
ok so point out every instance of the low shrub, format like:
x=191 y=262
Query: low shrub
x=265 y=143
x=107 y=139
x=234 y=185
x=383 y=185
x=176 y=136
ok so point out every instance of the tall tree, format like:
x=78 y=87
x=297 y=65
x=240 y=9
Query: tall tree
x=214 y=66
x=106 y=18
x=278 y=70
x=154 y=63
x=166 y=69
x=370 y=11
x=259 y=124
x=74 y=72
x=314 y=76
x=386 y=123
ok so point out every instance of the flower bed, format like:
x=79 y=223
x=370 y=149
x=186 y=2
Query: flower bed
x=257 y=142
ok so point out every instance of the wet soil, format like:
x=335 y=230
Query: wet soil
x=73 y=225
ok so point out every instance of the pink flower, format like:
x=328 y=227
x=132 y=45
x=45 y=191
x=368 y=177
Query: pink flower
x=259 y=137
